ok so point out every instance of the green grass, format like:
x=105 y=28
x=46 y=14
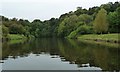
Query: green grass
x=16 y=41
x=102 y=37
x=16 y=37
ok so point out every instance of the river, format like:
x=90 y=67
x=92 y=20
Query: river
x=59 y=54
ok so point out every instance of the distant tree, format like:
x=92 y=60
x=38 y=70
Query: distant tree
x=16 y=29
x=86 y=19
x=37 y=20
x=110 y=7
x=35 y=26
x=67 y=25
x=114 y=21
x=14 y=19
x=118 y=16
x=93 y=10
x=115 y=6
x=100 y=23
x=24 y=22
x=107 y=6
x=4 y=18
x=80 y=11
x=83 y=29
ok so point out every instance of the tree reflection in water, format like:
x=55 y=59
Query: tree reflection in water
x=74 y=51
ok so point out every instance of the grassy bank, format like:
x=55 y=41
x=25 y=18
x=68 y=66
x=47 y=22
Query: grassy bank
x=112 y=38
x=16 y=38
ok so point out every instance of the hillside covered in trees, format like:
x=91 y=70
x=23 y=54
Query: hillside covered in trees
x=95 y=20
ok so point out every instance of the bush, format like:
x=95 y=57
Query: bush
x=72 y=34
x=84 y=29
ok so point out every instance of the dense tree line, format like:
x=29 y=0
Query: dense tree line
x=103 y=19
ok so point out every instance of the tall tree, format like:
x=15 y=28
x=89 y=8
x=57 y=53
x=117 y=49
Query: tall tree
x=68 y=25
x=114 y=21
x=100 y=23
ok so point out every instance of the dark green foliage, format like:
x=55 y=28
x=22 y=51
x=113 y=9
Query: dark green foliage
x=110 y=7
x=16 y=29
x=35 y=27
x=80 y=11
x=84 y=29
x=93 y=10
x=5 y=31
x=44 y=29
x=114 y=21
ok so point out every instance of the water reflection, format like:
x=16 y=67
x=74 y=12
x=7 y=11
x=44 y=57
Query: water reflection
x=85 y=56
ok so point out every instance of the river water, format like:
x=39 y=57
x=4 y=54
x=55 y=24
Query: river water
x=59 y=54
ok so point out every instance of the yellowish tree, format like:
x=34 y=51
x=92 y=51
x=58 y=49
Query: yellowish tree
x=100 y=23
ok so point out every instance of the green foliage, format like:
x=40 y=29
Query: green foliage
x=86 y=19
x=80 y=11
x=69 y=24
x=46 y=28
x=84 y=29
x=72 y=34
x=5 y=31
x=16 y=29
x=110 y=7
x=101 y=23
x=34 y=27
x=16 y=37
x=82 y=26
x=114 y=21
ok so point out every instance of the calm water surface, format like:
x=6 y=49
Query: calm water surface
x=58 y=54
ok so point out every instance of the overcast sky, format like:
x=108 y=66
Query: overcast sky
x=44 y=9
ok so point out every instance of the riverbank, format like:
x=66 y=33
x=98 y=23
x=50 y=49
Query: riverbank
x=15 y=38
x=111 y=38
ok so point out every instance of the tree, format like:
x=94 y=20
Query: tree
x=16 y=29
x=110 y=7
x=100 y=23
x=5 y=31
x=86 y=19
x=68 y=25
x=80 y=11
x=35 y=26
x=114 y=21
x=118 y=17
x=93 y=10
